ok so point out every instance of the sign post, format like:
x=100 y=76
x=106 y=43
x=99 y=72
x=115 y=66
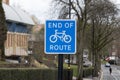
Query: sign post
x=69 y=54
x=60 y=38
x=60 y=67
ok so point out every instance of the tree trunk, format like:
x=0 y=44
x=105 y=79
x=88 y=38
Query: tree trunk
x=3 y=31
x=95 y=71
x=80 y=66
x=3 y=51
x=80 y=48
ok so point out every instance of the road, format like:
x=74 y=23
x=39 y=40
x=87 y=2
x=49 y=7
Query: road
x=115 y=73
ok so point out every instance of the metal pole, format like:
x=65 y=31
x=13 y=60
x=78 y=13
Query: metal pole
x=93 y=54
x=69 y=54
x=69 y=9
x=69 y=18
x=60 y=67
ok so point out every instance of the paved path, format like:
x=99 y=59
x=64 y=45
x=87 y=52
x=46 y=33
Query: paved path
x=74 y=78
x=114 y=76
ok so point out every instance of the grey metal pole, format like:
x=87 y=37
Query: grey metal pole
x=69 y=18
x=69 y=54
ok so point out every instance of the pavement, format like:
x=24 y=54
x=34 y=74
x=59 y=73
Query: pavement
x=91 y=78
x=88 y=78
x=105 y=75
x=74 y=78
x=115 y=75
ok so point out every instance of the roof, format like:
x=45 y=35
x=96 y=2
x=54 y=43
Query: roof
x=17 y=15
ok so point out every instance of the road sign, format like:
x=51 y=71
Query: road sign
x=60 y=37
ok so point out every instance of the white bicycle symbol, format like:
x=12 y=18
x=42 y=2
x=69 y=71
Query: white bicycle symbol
x=61 y=35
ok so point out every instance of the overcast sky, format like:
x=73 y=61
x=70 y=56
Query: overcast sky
x=40 y=8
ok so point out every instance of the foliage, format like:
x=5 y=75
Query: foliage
x=30 y=74
x=73 y=67
x=37 y=44
x=102 y=24
x=103 y=28
x=3 y=31
x=87 y=71
x=103 y=61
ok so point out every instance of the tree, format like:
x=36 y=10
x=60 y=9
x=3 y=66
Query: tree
x=81 y=16
x=37 y=42
x=3 y=31
x=100 y=19
x=103 y=22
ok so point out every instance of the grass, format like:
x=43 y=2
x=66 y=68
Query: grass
x=4 y=62
x=74 y=67
x=75 y=70
x=103 y=61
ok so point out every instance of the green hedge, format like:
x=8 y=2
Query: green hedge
x=30 y=74
x=87 y=71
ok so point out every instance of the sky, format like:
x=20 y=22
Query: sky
x=39 y=8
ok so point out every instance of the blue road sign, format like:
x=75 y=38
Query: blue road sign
x=60 y=37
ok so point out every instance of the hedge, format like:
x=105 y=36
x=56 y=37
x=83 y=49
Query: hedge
x=87 y=71
x=31 y=74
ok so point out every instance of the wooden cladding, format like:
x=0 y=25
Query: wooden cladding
x=16 y=44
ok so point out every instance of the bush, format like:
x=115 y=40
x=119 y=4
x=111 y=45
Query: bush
x=30 y=74
x=87 y=71
x=73 y=67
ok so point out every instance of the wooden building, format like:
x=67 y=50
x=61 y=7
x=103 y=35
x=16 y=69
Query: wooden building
x=19 y=24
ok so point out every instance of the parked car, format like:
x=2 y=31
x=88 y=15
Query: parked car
x=112 y=61
x=66 y=61
x=107 y=64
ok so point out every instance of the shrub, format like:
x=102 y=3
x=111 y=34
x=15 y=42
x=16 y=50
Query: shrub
x=87 y=71
x=30 y=74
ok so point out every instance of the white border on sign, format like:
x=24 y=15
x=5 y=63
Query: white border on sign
x=45 y=37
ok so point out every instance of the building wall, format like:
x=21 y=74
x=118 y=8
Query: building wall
x=17 y=40
x=115 y=48
x=16 y=44
x=17 y=36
